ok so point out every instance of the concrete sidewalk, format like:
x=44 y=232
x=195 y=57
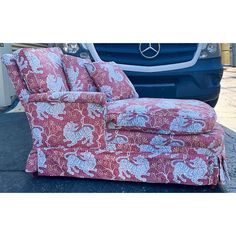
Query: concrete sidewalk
x=15 y=144
x=226 y=115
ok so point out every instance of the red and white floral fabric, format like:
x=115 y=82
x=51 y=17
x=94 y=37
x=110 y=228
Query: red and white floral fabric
x=111 y=80
x=77 y=75
x=41 y=69
x=15 y=76
x=164 y=116
x=193 y=166
x=137 y=141
x=67 y=119
x=78 y=134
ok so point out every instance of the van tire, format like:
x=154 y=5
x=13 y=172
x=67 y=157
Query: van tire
x=213 y=103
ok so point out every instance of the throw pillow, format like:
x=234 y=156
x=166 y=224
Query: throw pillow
x=41 y=69
x=111 y=80
x=77 y=76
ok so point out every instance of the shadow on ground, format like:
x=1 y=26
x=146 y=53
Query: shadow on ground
x=15 y=144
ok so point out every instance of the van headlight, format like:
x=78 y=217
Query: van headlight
x=71 y=47
x=210 y=50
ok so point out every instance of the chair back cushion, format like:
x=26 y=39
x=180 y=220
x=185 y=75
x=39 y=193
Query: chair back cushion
x=111 y=80
x=42 y=69
x=77 y=76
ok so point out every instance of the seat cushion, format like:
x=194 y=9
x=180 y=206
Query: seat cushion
x=42 y=69
x=163 y=116
x=111 y=80
x=77 y=75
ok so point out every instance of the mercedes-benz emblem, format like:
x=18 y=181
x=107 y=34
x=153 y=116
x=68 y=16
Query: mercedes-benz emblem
x=149 y=50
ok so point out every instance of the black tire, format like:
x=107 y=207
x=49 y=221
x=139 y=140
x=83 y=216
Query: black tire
x=213 y=103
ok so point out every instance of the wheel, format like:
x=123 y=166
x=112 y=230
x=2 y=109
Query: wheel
x=212 y=103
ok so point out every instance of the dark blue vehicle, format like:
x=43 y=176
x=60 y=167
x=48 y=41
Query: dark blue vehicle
x=173 y=70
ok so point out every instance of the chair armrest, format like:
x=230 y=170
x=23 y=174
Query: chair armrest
x=68 y=119
x=69 y=96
